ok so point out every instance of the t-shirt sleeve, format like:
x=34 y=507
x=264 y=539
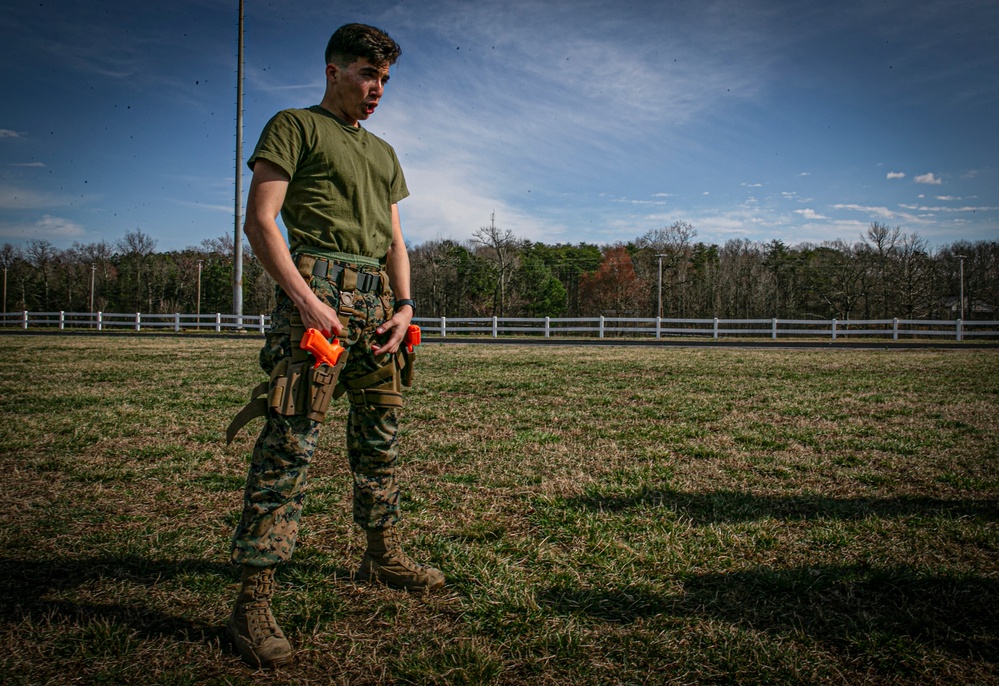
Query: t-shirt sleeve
x=280 y=143
x=398 y=190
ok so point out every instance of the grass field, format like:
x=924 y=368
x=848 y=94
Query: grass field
x=604 y=516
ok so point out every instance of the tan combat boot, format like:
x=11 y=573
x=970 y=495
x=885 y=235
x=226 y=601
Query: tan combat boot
x=256 y=635
x=385 y=561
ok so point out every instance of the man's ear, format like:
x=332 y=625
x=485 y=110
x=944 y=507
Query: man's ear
x=332 y=71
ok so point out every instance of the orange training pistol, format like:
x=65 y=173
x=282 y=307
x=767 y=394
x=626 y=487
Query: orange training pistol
x=412 y=337
x=324 y=351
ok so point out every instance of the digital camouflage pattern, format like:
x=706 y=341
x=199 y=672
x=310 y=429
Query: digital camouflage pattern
x=278 y=473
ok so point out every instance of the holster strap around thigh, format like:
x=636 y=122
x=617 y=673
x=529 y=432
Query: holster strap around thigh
x=380 y=388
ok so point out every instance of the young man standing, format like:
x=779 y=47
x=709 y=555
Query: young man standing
x=346 y=275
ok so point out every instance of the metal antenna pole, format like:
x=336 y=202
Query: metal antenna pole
x=237 y=273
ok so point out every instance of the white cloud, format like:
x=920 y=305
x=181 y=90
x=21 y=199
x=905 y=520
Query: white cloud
x=7 y=133
x=809 y=213
x=895 y=175
x=928 y=178
x=967 y=208
x=47 y=228
x=883 y=212
x=26 y=164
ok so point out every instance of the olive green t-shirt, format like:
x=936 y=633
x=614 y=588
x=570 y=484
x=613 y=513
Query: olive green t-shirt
x=344 y=181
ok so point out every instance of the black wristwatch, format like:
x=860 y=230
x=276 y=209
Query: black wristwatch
x=406 y=301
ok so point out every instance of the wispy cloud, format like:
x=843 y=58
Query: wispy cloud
x=882 y=212
x=16 y=198
x=929 y=178
x=895 y=175
x=47 y=228
x=8 y=133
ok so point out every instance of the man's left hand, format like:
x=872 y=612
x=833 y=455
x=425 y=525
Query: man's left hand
x=397 y=325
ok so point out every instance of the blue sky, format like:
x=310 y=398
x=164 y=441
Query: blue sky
x=571 y=120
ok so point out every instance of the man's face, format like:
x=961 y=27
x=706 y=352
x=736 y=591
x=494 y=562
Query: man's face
x=354 y=91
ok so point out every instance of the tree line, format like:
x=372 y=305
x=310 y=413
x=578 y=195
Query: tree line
x=887 y=273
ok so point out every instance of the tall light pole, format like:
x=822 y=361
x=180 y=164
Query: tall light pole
x=962 y=258
x=199 y=293
x=93 y=274
x=659 y=312
x=237 y=260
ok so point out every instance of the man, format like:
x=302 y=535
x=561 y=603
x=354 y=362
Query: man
x=346 y=275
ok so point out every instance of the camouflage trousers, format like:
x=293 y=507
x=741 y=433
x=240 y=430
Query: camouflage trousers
x=278 y=473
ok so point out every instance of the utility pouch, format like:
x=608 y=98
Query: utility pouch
x=406 y=360
x=321 y=384
x=286 y=395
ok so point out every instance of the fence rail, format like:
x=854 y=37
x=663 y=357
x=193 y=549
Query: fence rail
x=547 y=327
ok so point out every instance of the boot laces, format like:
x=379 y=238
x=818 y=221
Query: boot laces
x=260 y=621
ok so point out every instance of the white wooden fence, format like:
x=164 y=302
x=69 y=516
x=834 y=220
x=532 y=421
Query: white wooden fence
x=547 y=327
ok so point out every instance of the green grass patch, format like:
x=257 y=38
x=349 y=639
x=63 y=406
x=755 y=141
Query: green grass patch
x=655 y=515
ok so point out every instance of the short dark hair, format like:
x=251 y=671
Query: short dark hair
x=354 y=41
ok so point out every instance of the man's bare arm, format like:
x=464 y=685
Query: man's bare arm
x=397 y=266
x=263 y=204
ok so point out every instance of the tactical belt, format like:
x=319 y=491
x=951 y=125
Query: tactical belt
x=338 y=270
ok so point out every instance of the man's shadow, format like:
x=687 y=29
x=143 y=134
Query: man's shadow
x=32 y=589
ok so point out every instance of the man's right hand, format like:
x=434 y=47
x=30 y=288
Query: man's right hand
x=319 y=316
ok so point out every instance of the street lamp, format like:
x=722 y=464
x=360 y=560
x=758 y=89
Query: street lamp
x=962 y=258
x=93 y=272
x=199 y=293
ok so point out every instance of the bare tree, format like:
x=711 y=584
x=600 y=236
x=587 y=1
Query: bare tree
x=43 y=256
x=501 y=249
x=673 y=244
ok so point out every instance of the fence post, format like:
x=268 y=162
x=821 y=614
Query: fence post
x=601 y=326
x=218 y=322
x=548 y=327
x=715 y=328
x=773 y=328
x=659 y=328
x=834 y=329
x=62 y=320
x=100 y=321
x=261 y=322
x=495 y=332
x=138 y=321
x=176 y=322
x=443 y=326
x=960 y=330
x=24 y=320
x=894 y=329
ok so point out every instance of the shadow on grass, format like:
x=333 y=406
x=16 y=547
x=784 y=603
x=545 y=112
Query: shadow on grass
x=27 y=587
x=835 y=604
x=728 y=506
